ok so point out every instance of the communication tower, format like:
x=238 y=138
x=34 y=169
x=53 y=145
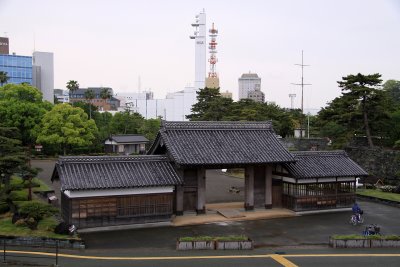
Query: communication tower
x=212 y=81
x=213 y=51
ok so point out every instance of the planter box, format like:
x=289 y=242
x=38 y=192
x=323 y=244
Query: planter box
x=364 y=243
x=350 y=243
x=384 y=243
x=237 y=245
x=190 y=245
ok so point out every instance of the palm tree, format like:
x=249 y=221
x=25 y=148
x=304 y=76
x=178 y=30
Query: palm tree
x=3 y=78
x=89 y=95
x=105 y=94
x=72 y=86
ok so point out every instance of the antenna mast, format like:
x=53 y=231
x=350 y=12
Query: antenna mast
x=302 y=81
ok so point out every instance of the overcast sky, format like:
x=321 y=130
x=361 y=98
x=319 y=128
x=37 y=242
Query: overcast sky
x=111 y=43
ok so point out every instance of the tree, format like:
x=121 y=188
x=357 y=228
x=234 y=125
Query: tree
x=150 y=129
x=3 y=78
x=72 y=86
x=21 y=106
x=204 y=99
x=27 y=173
x=392 y=88
x=66 y=126
x=126 y=122
x=11 y=153
x=362 y=88
x=89 y=95
x=105 y=94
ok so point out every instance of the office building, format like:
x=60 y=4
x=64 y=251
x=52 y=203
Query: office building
x=248 y=82
x=18 y=68
x=43 y=74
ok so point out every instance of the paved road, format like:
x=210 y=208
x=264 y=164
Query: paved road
x=294 y=257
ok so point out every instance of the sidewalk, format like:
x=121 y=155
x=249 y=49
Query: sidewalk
x=212 y=215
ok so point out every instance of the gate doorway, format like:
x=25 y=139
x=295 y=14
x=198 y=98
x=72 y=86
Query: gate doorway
x=223 y=187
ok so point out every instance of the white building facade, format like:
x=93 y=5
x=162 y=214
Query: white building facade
x=43 y=74
x=248 y=82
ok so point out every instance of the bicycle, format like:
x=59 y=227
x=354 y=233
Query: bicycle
x=356 y=219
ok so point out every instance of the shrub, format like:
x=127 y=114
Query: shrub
x=370 y=186
x=16 y=186
x=388 y=188
x=397 y=190
x=62 y=229
x=4 y=207
x=21 y=195
x=31 y=223
x=20 y=223
x=18 y=216
x=37 y=210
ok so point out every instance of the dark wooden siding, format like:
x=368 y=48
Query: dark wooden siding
x=315 y=196
x=116 y=210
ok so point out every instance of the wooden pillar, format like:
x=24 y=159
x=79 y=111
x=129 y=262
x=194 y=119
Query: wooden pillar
x=268 y=186
x=179 y=200
x=201 y=191
x=249 y=188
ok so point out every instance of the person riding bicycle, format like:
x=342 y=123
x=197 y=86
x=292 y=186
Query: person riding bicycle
x=357 y=211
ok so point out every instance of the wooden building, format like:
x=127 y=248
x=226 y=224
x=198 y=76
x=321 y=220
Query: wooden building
x=101 y=191
x=318 y=180
x=126 y=144
x=104 y=191
x=197 y=146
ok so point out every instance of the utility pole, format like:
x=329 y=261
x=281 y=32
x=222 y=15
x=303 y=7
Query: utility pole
x=302 y=84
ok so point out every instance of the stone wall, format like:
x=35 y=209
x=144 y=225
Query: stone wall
x=379 y=162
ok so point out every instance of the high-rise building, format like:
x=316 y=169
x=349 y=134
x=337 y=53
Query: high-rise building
x=199 y=37
x=248 y=82
x=4 y=46
x=43 y=74
x=18 y=68
x=37 y=71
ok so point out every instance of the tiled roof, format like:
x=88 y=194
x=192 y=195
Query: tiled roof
x=316 y=164
x=129 y=138
x=217 y=143
x=108 y=172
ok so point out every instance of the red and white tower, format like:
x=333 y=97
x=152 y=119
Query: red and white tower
x=212 y=81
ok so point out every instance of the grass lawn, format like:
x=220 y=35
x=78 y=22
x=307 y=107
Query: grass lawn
x=45 y=228
x=379 y=194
